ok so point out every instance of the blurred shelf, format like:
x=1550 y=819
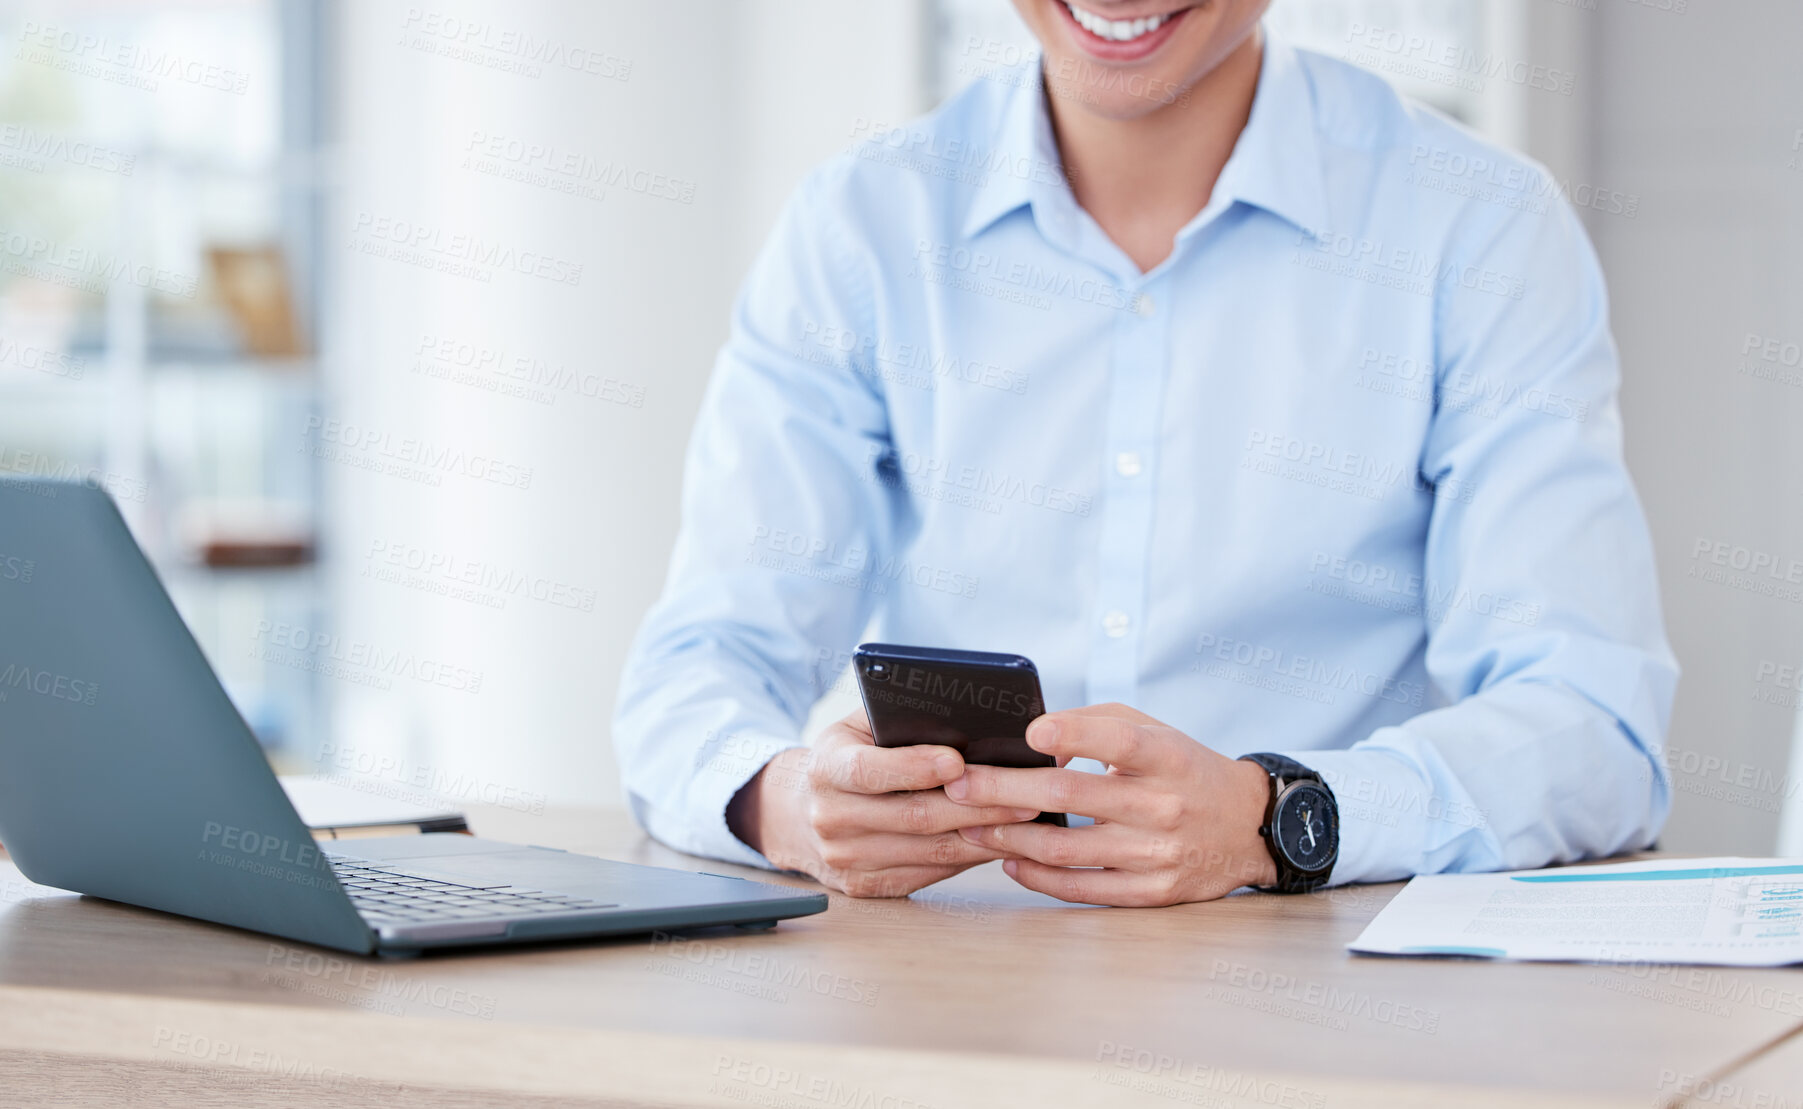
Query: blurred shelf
x=298 y=368
x=182 y=571
x=26 y=387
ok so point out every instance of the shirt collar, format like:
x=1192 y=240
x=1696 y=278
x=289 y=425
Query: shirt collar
x=1024 y=164
x=1276 y=164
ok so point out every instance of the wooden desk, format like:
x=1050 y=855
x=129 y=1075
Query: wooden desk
x=1770 y=1079
x=976 y=993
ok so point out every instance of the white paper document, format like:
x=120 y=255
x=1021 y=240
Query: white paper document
x=332 y=803
x=1726 y=911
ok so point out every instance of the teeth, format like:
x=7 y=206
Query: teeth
x=1114 y=30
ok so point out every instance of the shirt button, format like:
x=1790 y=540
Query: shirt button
x=1127 y=464
x=1115 y=623
x=1144 y=305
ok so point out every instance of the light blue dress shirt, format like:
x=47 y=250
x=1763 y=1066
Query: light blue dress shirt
x=1341 y=478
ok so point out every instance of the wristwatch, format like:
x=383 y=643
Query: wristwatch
x=1302 y=824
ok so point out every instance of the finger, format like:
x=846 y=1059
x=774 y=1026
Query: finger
x=1114 y=709
x=858 y=721
x=897 y=881
x=845 y=762
x=886 y=850
x=1047 y=789
x=1094 y=887
x=1104 y=845
x=1129 y=744
x=921 y=813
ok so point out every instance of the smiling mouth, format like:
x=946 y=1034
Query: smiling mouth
x=1118 y=30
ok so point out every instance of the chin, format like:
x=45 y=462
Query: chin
x=1111 y=103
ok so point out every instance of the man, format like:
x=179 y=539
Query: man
x=1227 y=386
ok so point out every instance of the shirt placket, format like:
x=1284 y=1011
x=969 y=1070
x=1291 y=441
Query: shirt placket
x=1138 y=365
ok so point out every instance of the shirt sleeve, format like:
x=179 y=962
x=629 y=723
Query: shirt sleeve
x=786 y=502
x=1545 y=641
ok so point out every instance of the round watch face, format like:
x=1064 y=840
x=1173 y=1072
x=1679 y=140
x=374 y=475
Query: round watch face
x=1306 y=828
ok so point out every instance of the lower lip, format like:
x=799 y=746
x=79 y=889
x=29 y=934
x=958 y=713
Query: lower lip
x=1110 y=51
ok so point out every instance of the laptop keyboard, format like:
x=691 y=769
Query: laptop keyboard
x=386 y=896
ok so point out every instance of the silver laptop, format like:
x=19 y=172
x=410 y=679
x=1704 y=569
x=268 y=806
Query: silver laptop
x=126 y=773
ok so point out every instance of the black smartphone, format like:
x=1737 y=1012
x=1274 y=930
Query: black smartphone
x=977 y=702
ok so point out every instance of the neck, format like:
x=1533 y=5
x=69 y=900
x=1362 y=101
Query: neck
x=1143 y=178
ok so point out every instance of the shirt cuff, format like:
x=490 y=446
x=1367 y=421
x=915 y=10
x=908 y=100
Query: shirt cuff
x=1384 y=804
x=716 y=782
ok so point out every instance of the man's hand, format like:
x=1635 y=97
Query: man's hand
x=1175 y=821
x=869 y=821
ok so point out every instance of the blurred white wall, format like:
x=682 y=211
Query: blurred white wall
x=439 y=108
x=1689 y=186
x=1699 y=114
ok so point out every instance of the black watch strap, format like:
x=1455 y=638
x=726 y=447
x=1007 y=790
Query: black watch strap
x=1287 y=770
x=1283 y=771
